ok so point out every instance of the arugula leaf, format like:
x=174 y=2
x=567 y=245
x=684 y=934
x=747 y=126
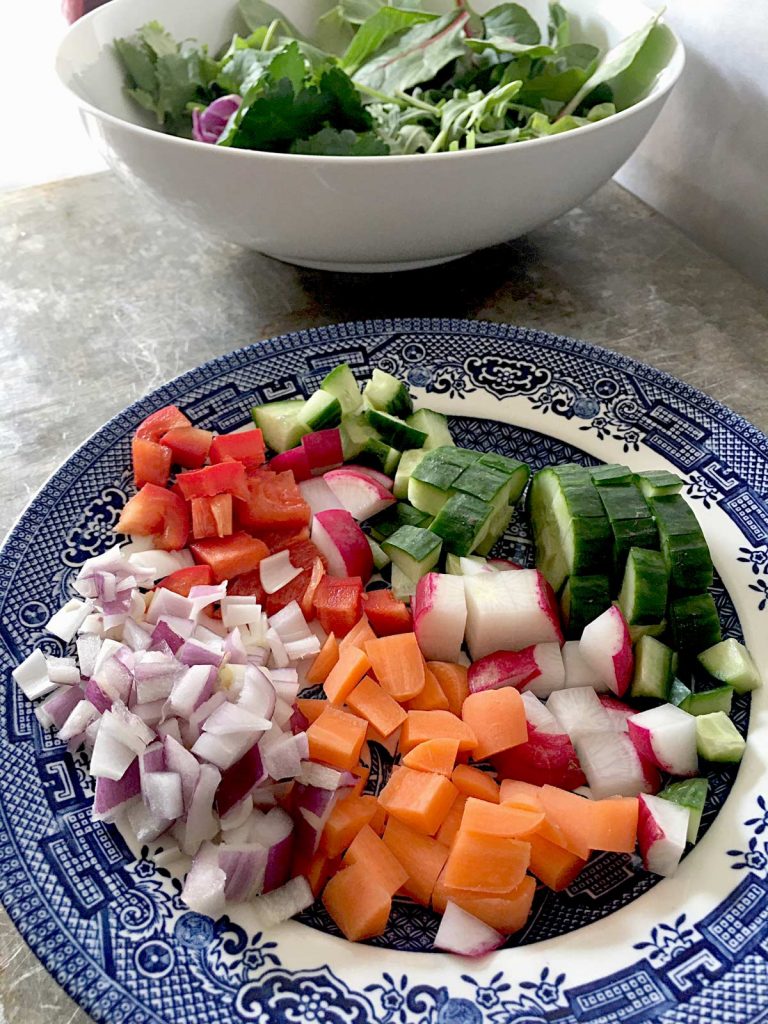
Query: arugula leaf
x=559 y=27
x=376 y=30
x=474 y=112
x=417 y=56
x=288 y=63
x=330 y=142
x=511 y=21
x=617 y=60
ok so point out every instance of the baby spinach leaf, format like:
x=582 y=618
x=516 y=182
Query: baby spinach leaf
x=511 y=21
x=633 y=83
x=258 y=12
x=376 y=30
x=330 y=142
x=559 y=27
x=417 y=56
x=503 y=44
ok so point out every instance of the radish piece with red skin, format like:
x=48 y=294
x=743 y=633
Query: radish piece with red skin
x=381 y=478
x=343 y=544
x=463 y=933
x=318 y=495
x=618 y=712
x=360 y=495
x=504 y=565
x=545 y=759
x=578 y=710
x=551 y=671
x=539 y=717
x=666 y=736
x=323 y=450
x=606 y=646
x=610 y=763
x=503 y=668
x=662 y=828
x=578 y=671
x=508 y=611
x=439 y=616
x=295 y=460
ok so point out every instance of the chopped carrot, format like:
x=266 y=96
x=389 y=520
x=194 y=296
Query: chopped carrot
x=336 y=738
x=345 y=674
x=431 y=697
x=452 y=822
x=506 y=912
x=311 y=708
x=379 y=820
x=428 y=725
x=362 y=771
x=389 y=743
x=522 y=794
x=346 y=819
x=438 y=755
x=373 y=703
x=553 y=865
x=398 y=665
x=488 y=864
x=453 y=682
x=358 y=902
x=418 y=799
x=317 y=869
x=358 y=636
x=497 y=717
x=500 y=819
x=324 y=662
x=474 y=782
x=570 y=813
x=368 y=849
x=423 y=858
x=614 y=824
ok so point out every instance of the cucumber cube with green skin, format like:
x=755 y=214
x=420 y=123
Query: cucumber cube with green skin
x=656 y=629
x=380 y=558
x=631 y=522
x=718 y=739
x=705 y=702
x=389 y=394
x=280 y=423
x=461 y=522
x=485 y=483
x=413 y=550
x=691 y=794
x=341 y=384
x=643 y=594
x=583 y=598
x=461 y=457
x=678 y=692
x=395 y=432
x=391 y=519
x=730 y=662
x=409 y=460
x=403 y=587
x=694 y=623
x=355 y=432
x=688 y=562
x=653 y=669
x=321 y=411
x=502 y=464
x=496 y=528
x=434 y=425
x=674 y=516
x=657 y=483
x=431 y=482
x=611 y=475
x=378 y=455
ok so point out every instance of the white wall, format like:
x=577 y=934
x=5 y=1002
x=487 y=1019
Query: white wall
x=705 y=162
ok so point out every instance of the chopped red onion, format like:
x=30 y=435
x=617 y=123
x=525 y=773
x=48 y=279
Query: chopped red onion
x=190 y=730
x=100 y=700
x=279 y=654
x=111 y=797
x=163 y=634
x=201 y=823
x=282 y=714
x=284 y=903
x=193 y=652
x=240 y=780
x=134 y=635
x=166 y=602
x=32 y=676
x=151 y=712
x=240 y=611
x=229 y=719
x=203 y=889
x=299 y=722
x=178 y=759
x=282 y=754
x=257 y=693
x=126 y=727
x=299 y=650
x=78 y=721
x=88 y=646
x=285 y=682
x=57 y=708
x=276 y=571
x=155 y=565
x=321 y=776
x=162 y=794
x=63 y=670
x=244 y=865
x=93 y=623
x=64 y=624
x=113 y=678
x=169 y=727
x=237 y=815
x=289 y=623
x=222 y=751
x=189 y=691
x=234 y=648
x=110 y=758
x=145 y=825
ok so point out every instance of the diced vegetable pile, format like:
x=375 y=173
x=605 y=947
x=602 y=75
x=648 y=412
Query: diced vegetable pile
x=236 y=657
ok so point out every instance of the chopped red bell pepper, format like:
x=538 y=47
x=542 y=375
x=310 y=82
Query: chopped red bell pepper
x=159 y=513
x=386 y=614
x=151 y=462
x=305 y=556
x=246 y=447
x=182 y=581
x=339 y=603
x=223 y=478
x=229 y=556
x=212 y=517
x=160 y=422
x=189 y=446
x=274 y=502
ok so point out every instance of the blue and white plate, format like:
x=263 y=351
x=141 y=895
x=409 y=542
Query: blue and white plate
x=619 y=946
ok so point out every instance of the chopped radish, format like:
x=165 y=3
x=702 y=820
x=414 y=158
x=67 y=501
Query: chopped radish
x=610 y=763
x=504 y=565
x=578 y=671
x=578 y=710
x=343 y=544
x=666 y=736
x=507 y=611
x=439 y=616
x=295 y=460
x=360 y=495
x=551 y=671
x=546 y=759
x=463 y=933
x=381 y=478
x=618 y=712
x=539 y=716
x=607 y=647
x=662 y=827
x=323 y=449
x=318 y=495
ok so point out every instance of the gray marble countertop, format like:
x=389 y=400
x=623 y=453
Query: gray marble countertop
x=102 y=298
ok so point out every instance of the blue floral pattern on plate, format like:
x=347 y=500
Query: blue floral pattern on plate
x=110 y=926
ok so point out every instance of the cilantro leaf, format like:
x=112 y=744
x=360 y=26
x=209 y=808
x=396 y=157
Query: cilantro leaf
x=330 y=142
x=288 y=63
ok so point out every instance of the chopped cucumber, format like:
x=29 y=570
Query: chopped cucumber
x=409 y=460
x=461 y=522
x=692 y=794
x=583 y=598
x=414 y=550
x=718 y=739
x=280 y=424
x=403 y=587
x=643 y=595
x=356 y=433
x=632 y=524
x=683 y=544
x=518 y=472
x=434 y=425
x=656 y=629
x=461 y=457
x=658 y=483
x=485 y=483
x=395 y=432
x=705 y=702
x=495 y=528
x=694 y=623
x=391 y=519
x=388 y=394
x=730 y=662
x=611 y=475
x=678 y=692
x=431 y=481
x=653 y=669
x=321 y=411
x=341 y=384
x=380 y=558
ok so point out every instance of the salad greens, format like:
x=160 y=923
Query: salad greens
x=380 y=78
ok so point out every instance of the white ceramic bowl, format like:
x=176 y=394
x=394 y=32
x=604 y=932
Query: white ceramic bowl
x=362 y=213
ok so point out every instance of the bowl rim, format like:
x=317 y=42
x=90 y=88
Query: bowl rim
x=670 y=75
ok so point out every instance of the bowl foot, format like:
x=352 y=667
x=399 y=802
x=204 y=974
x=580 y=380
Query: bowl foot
x=367 y=268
